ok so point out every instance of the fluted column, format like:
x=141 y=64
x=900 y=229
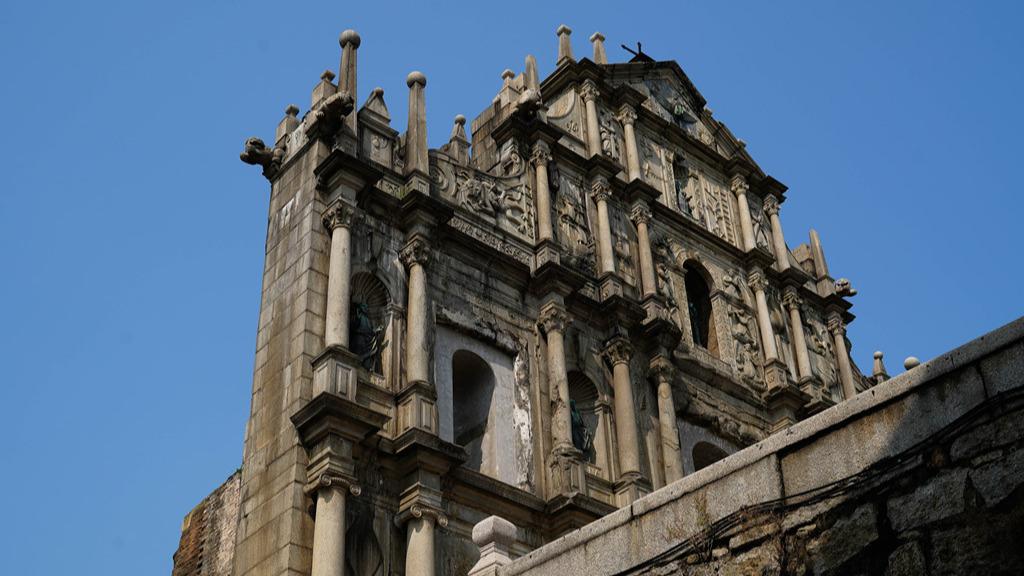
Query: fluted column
x=758 y=284
x=329 y=526
x=791 y=300
x=553 y=321
x=602 y=191
x=627 y=116
x=641 y=216
x=541 y=156
x=618 y=352
x=415 y=256
x=671 y=455
x=771 y=206
x=740 y=189
x=416 y=134
x=838 y=331
x=337 y=219
x=590 y=93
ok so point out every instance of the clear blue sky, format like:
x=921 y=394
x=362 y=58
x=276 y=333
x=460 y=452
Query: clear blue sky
x=133 y=237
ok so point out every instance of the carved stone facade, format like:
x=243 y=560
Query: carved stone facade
x=578 y=302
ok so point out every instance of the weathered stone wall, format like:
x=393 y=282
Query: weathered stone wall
x=207 y=545
x=923 y=474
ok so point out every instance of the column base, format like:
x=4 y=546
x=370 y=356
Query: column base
x=609 y=286
x=568 y=471
x=417 y=408
x=336 y=371
x=546 y=251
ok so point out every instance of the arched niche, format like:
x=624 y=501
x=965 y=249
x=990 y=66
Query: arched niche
x=705 y=454
x=694 y=442
x=370 y=323
x=699 y=286
x=472 y=406
x=594 y=409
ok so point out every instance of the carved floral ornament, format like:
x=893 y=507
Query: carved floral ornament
x=626 y=114
x=541 y=153
x=739 y=185
x=791 y=299
x=835 y=325
x=771 y=205
x=416 y=251
x=618 y=351
x=554 y=319
x=600 y=189
x=338 y=214
x=661 y=371
x=589 y=91
x=641 y=214
x=757 y=281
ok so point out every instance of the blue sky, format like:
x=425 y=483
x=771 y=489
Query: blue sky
x=134 y=237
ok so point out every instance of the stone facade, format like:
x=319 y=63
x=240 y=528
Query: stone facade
x=207 y=546
x=922 y=475
x=586 y=297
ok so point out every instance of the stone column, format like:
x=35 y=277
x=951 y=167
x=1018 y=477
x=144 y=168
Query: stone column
x=671 y=455
x=618 y=353
x=416 y=134
x=553 y=321
x=337 y=219
x=415 y=256
x=600 y=57
x=627 y=116
x=420 y=524
x=329 y=526
x=771 y=206
x=758 y=284
x=740 y=189
x=641 y=216
x=541 y=156
x=791 y=300
x=590 y=93
x=838 y=331
x=602 y=191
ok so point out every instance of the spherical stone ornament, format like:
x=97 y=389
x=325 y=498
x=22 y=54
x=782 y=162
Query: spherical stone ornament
x=911 y=362
x=460 y=119
x=349 y=37
x=415 y=77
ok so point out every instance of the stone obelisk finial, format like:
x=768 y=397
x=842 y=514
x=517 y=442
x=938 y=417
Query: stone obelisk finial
x=349 y=40
x=564 y=46
x=878 y=370
x=597 y=39
x=458 y=144
x=531 y=78
x=416 y=135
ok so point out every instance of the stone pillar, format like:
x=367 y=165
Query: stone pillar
x=641 y=216
x=758 y=284
x=771 y=206
x=590 y=93
x=415 y=256
x=553 y=321
x=618 y=352
x=671 y=455
x=329 y=526
x=337 y=219
x=740 y=189
x=420 y=548
x=597 y=39
x=494 y=536
x=349 y=41
x=627 y=116
x=564 y=45
x=791 y=300
x=541 y=156
x=602 y=191
x=838 y=331
x=416 y=134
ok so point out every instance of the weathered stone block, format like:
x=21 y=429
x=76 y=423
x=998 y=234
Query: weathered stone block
x=939 y=498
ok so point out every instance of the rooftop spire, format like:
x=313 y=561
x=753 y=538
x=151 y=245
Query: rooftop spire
x=349 y=40
x=564 y=46
x=597 y=39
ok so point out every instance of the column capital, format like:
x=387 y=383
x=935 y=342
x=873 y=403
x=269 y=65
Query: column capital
x=662 y=370
x=757 y=280
x=640 y=214
x=554 y=319
x=337 y=482
x=337 y=215
x=626 y=115
x=600 y=189
x=589 y=91
x=540 y=153
x=420 y=510
x=835 y=324
x=618 y=350
x=771 y=205
x=739 y=185
x=791 y=298
x=415 y=251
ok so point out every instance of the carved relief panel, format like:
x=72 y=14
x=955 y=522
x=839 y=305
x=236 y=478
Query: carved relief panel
x=573 y=222
x=624 y=246
x=566 y=112
x=504 y=202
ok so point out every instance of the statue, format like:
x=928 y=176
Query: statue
x=256 y=152
x=581 y=437
x=365 y=338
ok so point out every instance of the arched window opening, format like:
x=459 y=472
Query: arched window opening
x=472 y=395
x=706 y=454
x=698 y=298
x=583 y=407
x=368 y=320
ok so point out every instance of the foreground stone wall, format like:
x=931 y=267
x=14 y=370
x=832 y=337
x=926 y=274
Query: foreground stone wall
x=920 y=475
x=207 y=546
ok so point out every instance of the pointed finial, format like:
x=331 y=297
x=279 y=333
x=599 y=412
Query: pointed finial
x=564 y=46
x=597 y=39
x=291 y=110
x=327 y=76
x=878 y=370
x=506 y=77
x=459 y=128
x=532 y=80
